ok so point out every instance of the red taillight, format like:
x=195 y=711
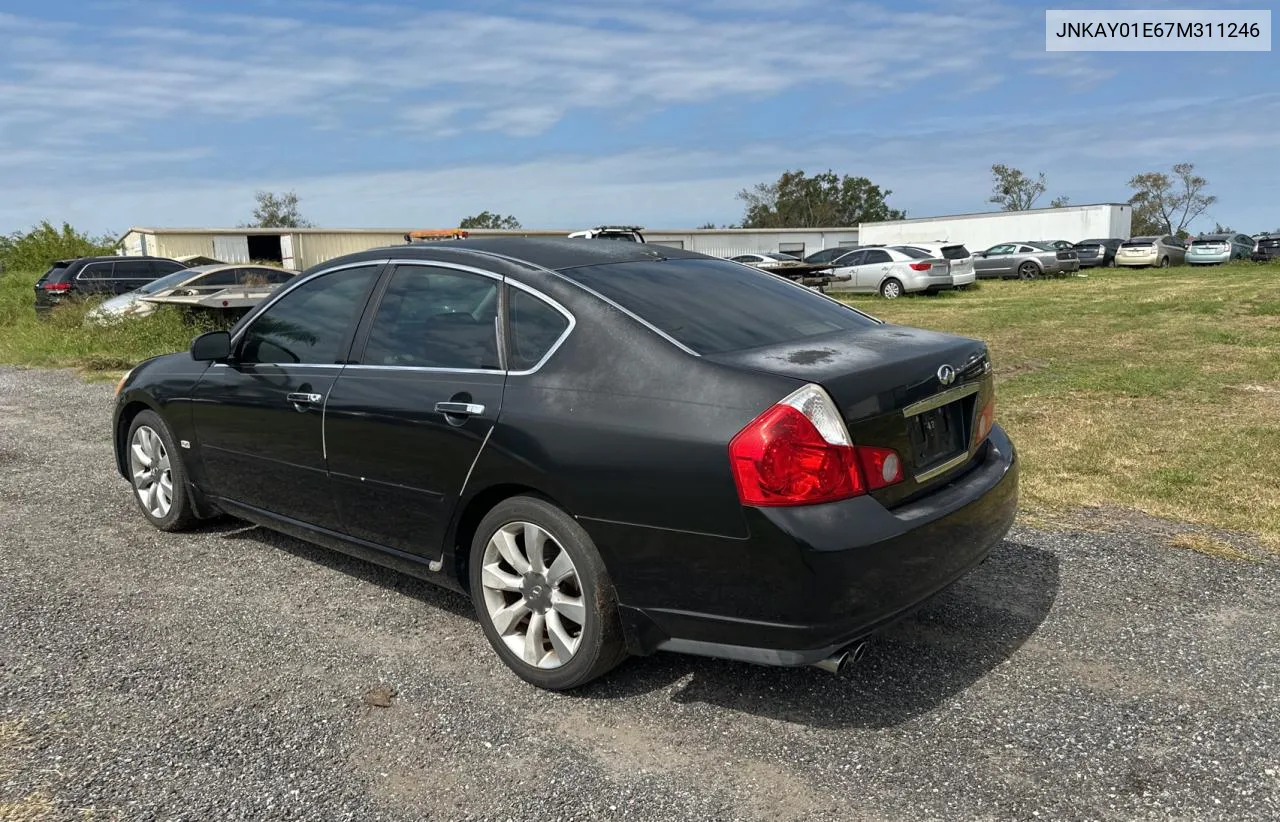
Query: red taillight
x=57 y=286
x=798 y=453
x=986 y=419
x=921 y=266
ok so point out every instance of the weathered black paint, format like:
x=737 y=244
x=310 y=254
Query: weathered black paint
x=627 y=432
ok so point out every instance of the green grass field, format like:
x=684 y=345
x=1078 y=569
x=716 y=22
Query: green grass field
x=1150 y=390
x=1145 y=389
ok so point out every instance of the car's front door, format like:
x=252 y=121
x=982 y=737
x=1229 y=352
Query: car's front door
x=846 y=266
x=405 y=422
x=875 y=266
x=996 y=261
x=259 y=417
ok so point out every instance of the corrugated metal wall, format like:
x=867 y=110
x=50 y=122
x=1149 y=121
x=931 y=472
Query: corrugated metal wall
x=180 y=245
x=310 y=249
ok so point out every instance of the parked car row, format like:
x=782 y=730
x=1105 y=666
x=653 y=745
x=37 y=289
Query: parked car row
x=889 y=271
x=135 y=286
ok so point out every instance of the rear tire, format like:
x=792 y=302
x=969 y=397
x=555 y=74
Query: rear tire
x=156 y=472
x=1164 y=262
x=891 y=289
x=543 y=596
x=1028 y=271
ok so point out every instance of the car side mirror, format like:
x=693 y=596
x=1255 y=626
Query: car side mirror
x=212 y=346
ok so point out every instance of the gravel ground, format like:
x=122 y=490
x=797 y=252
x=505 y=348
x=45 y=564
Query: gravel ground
x=227 y=674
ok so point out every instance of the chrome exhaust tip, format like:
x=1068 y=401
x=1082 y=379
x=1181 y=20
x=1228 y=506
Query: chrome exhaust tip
x=839 y=662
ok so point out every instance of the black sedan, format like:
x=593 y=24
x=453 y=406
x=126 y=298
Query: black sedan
x=612 y=448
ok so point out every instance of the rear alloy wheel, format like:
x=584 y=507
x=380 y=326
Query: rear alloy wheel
x=158 y=476
x=1028 y=271
x=543 y=596
x=1164 y=262
x=891 y=289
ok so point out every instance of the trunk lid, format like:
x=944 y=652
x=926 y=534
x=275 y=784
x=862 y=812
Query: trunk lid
x=916 y=391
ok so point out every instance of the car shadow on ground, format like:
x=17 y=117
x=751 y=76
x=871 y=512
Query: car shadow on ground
x=909 y=669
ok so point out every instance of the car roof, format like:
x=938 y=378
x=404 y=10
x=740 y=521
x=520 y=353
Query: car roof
x=554 y=253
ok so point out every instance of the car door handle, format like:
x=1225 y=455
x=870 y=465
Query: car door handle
x=299 y=397
x=463 y=408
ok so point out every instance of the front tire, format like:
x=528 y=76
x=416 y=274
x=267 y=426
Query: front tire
x=891 y=289
x=157 y=474
x=543 y=596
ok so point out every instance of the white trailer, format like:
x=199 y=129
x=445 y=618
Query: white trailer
x=984 y=229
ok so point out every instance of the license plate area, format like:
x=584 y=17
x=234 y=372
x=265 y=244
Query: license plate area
x=937 y=435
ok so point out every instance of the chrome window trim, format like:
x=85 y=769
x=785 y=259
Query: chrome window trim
x=396 y=261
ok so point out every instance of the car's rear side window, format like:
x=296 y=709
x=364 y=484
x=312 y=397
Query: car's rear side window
x=714 y=306
x=535 y=327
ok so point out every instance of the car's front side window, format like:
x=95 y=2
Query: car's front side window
x=310 y=323
x=436 y=318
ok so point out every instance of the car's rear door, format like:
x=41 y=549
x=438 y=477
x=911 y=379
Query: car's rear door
x=259 y=417
x=406 y=420
x=128 y=275
x=875 y=266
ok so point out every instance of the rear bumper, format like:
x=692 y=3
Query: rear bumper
x=1145 y=259
x=940 y=282
x=1209 y=259
x=967 y=278
x=811 y=581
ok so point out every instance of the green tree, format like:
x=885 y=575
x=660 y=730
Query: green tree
x=488 y=219
x=1013 y=190
x=37 y=249
x=277 y=211
x=1168 y=203
x=800 y=201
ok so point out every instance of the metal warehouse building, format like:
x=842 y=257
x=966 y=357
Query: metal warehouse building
x=304 y=247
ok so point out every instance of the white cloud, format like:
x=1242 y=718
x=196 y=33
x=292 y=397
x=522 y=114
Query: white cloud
x=931 y=171
x=520 y=72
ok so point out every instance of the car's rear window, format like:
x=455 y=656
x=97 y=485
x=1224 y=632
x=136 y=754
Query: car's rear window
x=56 y=273
x=955 y=252
x=1136 y=242
x=715 y=306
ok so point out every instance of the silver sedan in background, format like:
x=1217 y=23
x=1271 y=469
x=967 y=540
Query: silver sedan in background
x=1024 y=261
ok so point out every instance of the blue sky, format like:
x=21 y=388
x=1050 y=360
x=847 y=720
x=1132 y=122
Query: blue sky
x=116 y=113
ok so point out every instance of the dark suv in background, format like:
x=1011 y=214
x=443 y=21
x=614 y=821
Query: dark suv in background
x=1266 y=247
x=92 y=276
x=1097 y=253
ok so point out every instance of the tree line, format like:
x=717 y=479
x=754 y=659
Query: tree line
x=1164 y=202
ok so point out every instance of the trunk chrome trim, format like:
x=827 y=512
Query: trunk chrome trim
x=942 y=398
x=954 y=462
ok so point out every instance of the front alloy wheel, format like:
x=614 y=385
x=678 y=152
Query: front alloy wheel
x=151 y=471
x=156 y=472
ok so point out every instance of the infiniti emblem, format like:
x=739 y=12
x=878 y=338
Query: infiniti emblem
x=946 y=375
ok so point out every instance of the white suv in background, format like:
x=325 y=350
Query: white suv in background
x=963 y=272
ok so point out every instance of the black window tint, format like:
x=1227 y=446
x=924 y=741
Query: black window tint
x=913 y=252
x=686 y=299
x=436 y=318
x=535 y=327
x=308 y=324
x=161 y=268
x=955 y=252
x=278 y=277
x=133 y=270
x=852 y=258
x=875 y=255
x=95 y=271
